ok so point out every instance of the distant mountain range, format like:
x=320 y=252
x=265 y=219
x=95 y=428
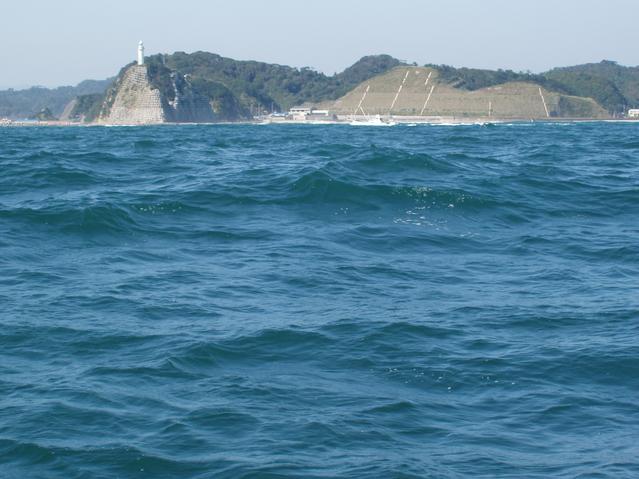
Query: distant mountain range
x=238 y=89
x=30 y=102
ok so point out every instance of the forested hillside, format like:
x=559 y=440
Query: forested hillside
x=267 y=86
x=614 y=86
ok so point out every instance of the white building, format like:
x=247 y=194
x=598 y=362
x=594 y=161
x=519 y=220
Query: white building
x=300 y=113
x=633 y=113
x=299 y=110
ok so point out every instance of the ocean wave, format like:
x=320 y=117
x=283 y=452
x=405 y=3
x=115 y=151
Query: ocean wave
x=242 y=301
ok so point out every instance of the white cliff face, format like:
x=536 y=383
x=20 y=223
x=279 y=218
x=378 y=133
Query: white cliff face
x=136 y=102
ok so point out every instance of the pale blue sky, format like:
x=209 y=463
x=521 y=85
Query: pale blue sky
x=58 y=42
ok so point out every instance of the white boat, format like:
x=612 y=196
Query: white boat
x=376 y=120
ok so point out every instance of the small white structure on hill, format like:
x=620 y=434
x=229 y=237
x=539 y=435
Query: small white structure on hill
x=141 y=53
x=633 y=113
x=300 y=111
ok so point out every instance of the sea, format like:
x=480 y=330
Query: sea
x=297 y=301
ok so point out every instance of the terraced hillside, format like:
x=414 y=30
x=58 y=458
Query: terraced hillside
x=423 y=93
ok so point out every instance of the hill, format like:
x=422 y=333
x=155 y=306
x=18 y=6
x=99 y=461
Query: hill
x=434 y=91
x=614 y=86
x=258 y=86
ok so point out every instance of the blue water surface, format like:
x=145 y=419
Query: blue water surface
x=319 y=301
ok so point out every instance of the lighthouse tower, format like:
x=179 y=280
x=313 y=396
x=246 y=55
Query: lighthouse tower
x=141 y=53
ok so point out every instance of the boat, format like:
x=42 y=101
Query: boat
x=376 y=120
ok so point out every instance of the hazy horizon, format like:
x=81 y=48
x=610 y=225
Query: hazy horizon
x=72 y=41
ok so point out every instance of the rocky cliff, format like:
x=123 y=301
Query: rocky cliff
x=142 y=96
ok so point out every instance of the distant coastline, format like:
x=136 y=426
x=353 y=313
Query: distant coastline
x=206 y=88
x=442 y=121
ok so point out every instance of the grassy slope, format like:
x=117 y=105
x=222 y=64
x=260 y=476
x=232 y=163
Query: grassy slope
x=513 y=99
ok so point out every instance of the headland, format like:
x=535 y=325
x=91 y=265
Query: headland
x=206 y=88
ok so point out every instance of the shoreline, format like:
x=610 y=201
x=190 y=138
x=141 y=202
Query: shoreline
x=433 y=121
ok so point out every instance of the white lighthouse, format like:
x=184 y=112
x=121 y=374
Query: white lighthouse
x=141 y=53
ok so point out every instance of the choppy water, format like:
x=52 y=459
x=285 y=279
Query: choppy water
x=319 y=302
